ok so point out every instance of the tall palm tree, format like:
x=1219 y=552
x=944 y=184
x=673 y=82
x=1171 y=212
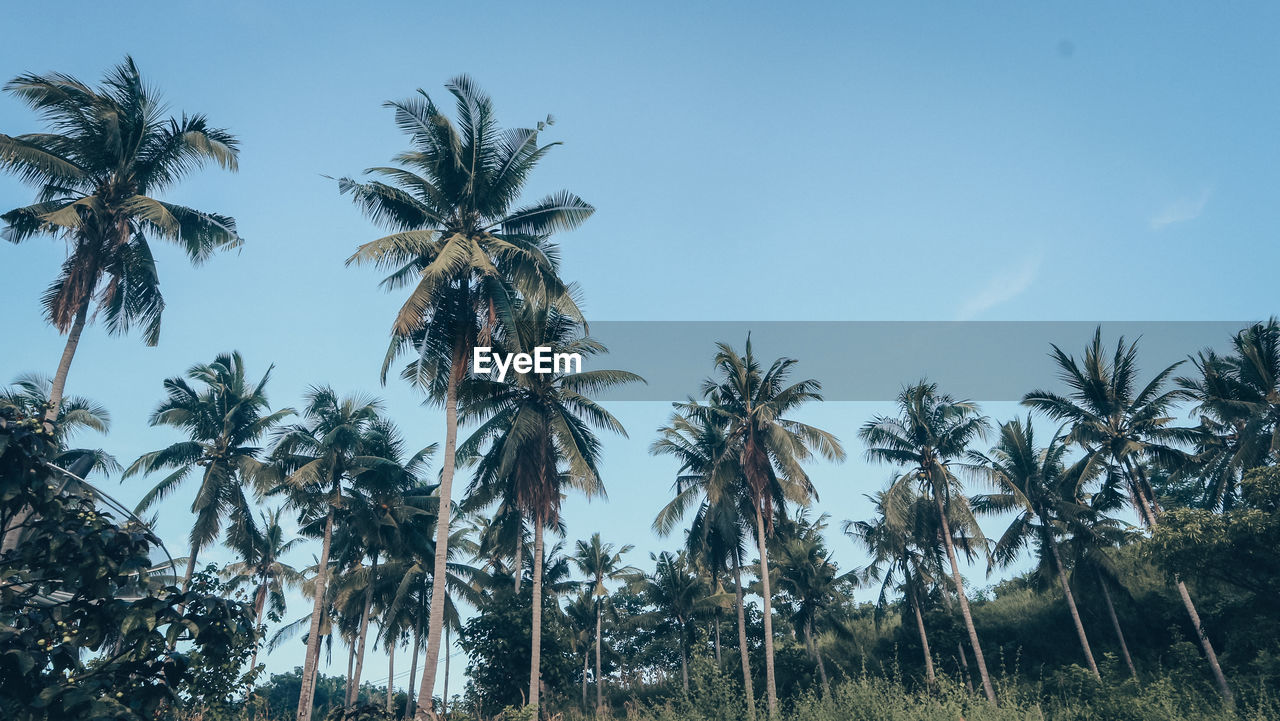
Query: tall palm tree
x=312 y=465
x=709 y=480
x=601 y=562
x=766 y=447
x=263 y=569
x=1238 y=398
x=901 y=539
x=535 y=438
x=467 y=249
x=1036 y=486
x=224 y=416
x=1119 y=423
x=110 y=152
x=932 y=432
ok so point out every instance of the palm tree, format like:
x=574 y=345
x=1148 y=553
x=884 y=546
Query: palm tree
x=809 y=577
x=224 y=416
x=29 y=395
x=1120 y=424
x=1238 y=399
x=901 y=539
x=459 y=238
x=1034 y=484
x=674 y=589
x=709 y=479
x=581 y=613
x=110 y=151
x=929 y=434
x=766 y=447
x=313 y=463
x=535 y=438
x=601 y=562
x=262 y=568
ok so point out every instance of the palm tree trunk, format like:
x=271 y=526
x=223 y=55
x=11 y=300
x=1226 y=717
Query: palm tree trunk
x=535 y=676
x=519 y=560
x=742 y=640
x=351 y=660
x=306 y=698
x=960 y=654
x=261 y=603
x=964 y=602
x=1115 y=623
x=448 y=653
x=817 y=656
x=1150 y=509
x=770 y=685
x=1071 y=605
x=924 y=640
x=684 y=660
x=599 y=643
x=435 y=620
x=413 y=667
x=64 y=364
x=586 y=665
x=391 y=675
x=717 y=627
x=353 y=691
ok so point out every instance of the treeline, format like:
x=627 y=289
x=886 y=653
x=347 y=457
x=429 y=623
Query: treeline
x=1153 y=540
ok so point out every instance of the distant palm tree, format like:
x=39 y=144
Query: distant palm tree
x=766 y=447
x=809 y=577
x=110 y=151
x=312 y=465
x=1120 y=424
x=1238 y=398
x=470 y=253
x=932 y=432
x=263 y=569
x=601 y=562
x=1035 y=484
x=674 y=590
x=901 y=539
x=224 y=416
x=709 y=480
x=535 y=438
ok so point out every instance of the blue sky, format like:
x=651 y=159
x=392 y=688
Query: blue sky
x=754 y=161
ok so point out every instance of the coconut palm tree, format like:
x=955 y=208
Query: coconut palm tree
x=110 y=151
x=902 y=539
x=469 y=251
x=1118 y=423
x=767 y=449
x=224 y=416
x=263 y=569
x=674 y=589
x=535 y=438
x=931 y=433
x=29 y=395
x=1238 y=398
x=1036 y=486
x=811 y=580
x=709 y=481
x=601 y=562
x=312 y=465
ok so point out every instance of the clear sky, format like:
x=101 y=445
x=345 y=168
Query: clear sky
x=749 y=161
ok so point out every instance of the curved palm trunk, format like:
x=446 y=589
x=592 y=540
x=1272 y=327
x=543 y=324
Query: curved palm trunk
x=435 y=620
x=535 y=656
x=742 y=642
x=448 y=653
x=306 y=698
x=599 y=643
x=1148 y=509
x=924 y=641
x=817 y=656
x=1071 y=605
x=64 y=364
x=1115 y=623
x=964 y=602
x=770 y=684
x=353 y=690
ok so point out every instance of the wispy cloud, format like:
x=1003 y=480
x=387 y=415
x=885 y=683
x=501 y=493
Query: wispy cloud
x=1005 y=286
x=1181 y=210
